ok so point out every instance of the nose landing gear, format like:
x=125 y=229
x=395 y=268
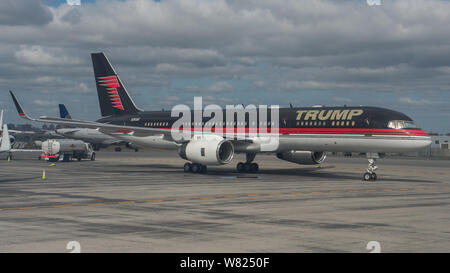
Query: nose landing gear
x=370 y=174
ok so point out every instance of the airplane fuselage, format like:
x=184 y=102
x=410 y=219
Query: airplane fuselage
x=340 y=129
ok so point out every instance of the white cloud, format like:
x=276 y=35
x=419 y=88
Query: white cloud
x=37 y=55
x=415 y=102
x=217 y=87
x=45 y=103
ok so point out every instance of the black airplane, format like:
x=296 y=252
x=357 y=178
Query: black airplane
x=299 y=135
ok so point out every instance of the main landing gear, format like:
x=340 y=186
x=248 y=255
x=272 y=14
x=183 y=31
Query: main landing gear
x=248 y=166
x=194 y=168
x=370 y=174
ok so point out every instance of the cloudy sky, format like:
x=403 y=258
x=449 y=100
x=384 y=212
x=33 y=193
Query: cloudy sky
x=304 y=52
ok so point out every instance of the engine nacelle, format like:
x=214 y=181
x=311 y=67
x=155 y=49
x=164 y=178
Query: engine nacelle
x=303 y=157
x=207 y=150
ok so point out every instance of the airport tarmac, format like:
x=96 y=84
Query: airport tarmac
x=144 y=202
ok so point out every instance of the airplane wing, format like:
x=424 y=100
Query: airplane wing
x=71 y=131
x=25 y=150
x=21 y=132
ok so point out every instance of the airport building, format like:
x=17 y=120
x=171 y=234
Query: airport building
x=440 y=142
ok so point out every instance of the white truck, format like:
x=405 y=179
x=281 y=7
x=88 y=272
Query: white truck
x=67 y=149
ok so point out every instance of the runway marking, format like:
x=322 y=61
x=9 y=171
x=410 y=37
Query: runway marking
x=25 y=208
x=97 y=204
x=128 y=202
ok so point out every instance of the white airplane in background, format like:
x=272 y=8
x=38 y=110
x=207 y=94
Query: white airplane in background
x=93 y=136
x=6 y=143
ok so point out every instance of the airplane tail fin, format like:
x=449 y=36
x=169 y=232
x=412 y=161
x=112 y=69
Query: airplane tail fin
x=6 y=142
x=63 y=112
x=19 y=108
x=112 y=95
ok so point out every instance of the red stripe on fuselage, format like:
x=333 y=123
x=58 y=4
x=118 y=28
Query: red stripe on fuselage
x=343 y=131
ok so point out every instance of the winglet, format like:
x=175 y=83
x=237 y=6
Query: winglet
x=19 y=108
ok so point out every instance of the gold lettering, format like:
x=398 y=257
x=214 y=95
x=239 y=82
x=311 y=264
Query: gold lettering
x=354 y=113
x=322 y=117
x=338 y=114
x=312 y=114
x=300 y=113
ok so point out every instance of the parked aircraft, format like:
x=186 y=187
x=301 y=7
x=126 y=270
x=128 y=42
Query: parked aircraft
x=303 y=135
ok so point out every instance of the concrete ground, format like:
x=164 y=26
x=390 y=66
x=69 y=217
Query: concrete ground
x=144 y=202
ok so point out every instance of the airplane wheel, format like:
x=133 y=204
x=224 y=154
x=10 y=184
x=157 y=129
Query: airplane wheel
x=367 y=176
x=247 y=167
x=93 y=157
x=254 y=167
x=240 y=167
x=187 y=167
x=195 y=168
x=373 y=176
x=203 y=168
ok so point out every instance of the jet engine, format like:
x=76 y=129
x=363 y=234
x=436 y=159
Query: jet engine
x=303 y=157
x=207 y=150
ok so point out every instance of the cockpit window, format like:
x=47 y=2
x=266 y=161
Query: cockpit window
x=401 y=124
x=410 y=125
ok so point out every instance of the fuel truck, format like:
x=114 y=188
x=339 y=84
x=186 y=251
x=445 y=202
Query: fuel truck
x=67 y=149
